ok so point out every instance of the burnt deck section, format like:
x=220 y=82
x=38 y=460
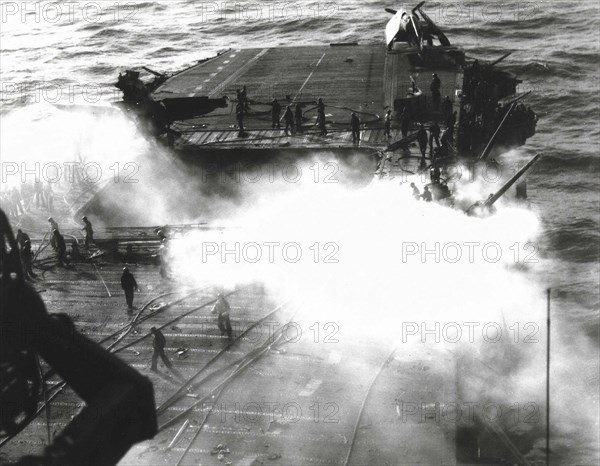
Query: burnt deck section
x=366 y=79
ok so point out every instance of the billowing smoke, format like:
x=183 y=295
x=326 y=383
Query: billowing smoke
x=74 y=153
x=366 y=256
x=58 y=145
x=381 y=265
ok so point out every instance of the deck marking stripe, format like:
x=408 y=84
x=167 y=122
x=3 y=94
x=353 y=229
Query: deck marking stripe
x=237 y=73
x=309 y=76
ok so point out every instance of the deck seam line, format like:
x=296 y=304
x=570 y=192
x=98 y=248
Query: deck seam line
x=309 y=76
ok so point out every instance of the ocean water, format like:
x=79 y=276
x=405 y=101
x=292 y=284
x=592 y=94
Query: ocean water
x=67 y=53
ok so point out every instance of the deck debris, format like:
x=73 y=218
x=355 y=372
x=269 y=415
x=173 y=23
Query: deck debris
x=220 y=450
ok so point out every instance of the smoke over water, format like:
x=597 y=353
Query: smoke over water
x=56 y=145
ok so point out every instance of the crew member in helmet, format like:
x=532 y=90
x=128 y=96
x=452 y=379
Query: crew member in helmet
x=416 y=193
x=388 y=124
x=89 y=232
x=158 y=343
x=275 y=114
x=426 y=196
x=61 y=247
x=289 y=120
x=27 y=260
x=222 y=309
x=355 y=125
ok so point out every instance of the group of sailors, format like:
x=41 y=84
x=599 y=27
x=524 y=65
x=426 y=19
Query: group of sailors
x=293 y=115
x=476 y=129
x=221 y=308
x=16 y=202
x=437 y=190
x=481 y=116
x=293 y=118
x=56 y=241
x=482 y=112
x=434 y=141
x=426 y=196
x=242 y=108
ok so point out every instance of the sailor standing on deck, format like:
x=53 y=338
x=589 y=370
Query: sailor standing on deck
x=321 y=117
x=355 y=125
x=128 y=284
x=163 y=254
x=321 y=123
x=276 y=114
x=435 y=174
x=435 y=87
x=426 y=195
x=244 y=96
x=434 y=133
x=422 y=139
x=158 y=344
x=404 y=121
x=241 y=100
x=27 y=260
x=61 y=247
x=388 y=124
x=446 y=107
x=89 y=232
x=53 y=223
x=53 y=226
x=222 y=308
x=416 y=193
x=289 y=120
x=320 y=106
x=21 y=238
x=239 y=113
